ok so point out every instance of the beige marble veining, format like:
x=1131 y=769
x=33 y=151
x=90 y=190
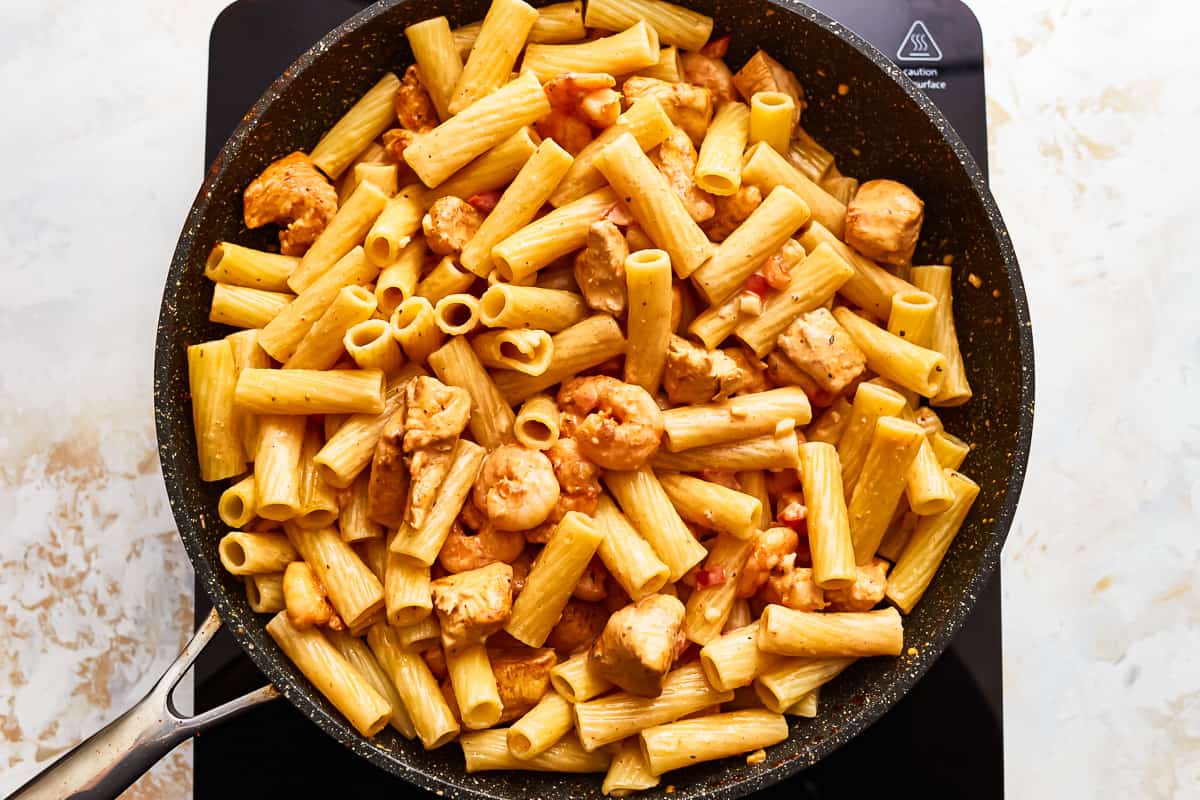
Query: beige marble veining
x=1093 y=111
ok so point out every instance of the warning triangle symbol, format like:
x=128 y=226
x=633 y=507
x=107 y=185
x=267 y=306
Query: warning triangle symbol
x=919 y=45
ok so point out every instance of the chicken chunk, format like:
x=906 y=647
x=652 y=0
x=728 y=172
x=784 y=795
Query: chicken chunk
x=474 y=604
x=731 y=211
x=676 y=159
x=764 y=74
x=387 y=488
x=414 y=106
x=690 y=107
x=883 y=222
x=752 y=368
x=449 y=225
x=291 y=191
x=639 y=643
x=593 y=583
x=822 y=348
x=711 y=73
x=695 y=375
x=435 y=415
x=600 y=268
x=865 y=593
x=522 y=677
x=578 y=627
x=794 y=587
x=782 y=372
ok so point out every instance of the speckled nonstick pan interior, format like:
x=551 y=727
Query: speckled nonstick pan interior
x=882 y=127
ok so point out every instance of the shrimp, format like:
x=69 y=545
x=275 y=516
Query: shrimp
x=770 y=549
x=466 y=551
x=516 y=488
x=579 y=102
x=291 y=191
x=579 y=486
x=617 y=425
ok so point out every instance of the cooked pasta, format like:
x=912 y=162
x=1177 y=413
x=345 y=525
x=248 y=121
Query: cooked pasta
x=621 y=427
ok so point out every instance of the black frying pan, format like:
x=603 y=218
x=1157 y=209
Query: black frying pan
x=883 y=127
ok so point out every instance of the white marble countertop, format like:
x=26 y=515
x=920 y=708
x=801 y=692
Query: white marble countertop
x=1093 y=117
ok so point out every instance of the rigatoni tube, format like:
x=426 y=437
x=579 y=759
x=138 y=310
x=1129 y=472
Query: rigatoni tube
x=786 y=683
x=541 y=726
x=754 y=241
x=553 y=577
x=719 y=166
x=244 y=553
x=310 y=391
x=649 y=282
x=734 y=659
x=691 y=741
x=423 y=543
x=611 y=718
x=675 y=24
x=212 y=377
x=708 y=606
x=620 y=54
x=771 y=115
x=332 y=675
x=437 y=154
x=928 y=546
x=649 y=509
x=712 y=505
x=771 y=451
x=581 y=346
x=365 y=120
x=536 y=425
x=354 y=591
x=828 y=527
x=872 y=286
x=491 y=417
x=431 y=716
x=918 y=369
x=343 y=234
x=815 y=634
x=488 y=750
x=743 y=417
x=765 y=168
x=955 y=389
x=654 y=204
x=437 y=59
x=627 y=556
x=495 y=52
x=894 y=445
x=505 y=305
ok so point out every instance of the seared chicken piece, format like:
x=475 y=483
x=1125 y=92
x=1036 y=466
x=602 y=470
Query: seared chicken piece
x=592 y=584
x=414 y=107
x=752 y=369
x=690 y=107
x=883 y=222
x=474 y=604
x=865 y=593
x=764 y=74
x=794 y=587
x=522 y=677
x=822 y=348
x=578 y=627
x=782 y=372
x=639 y=643
x=711 y=73
x=449 y=225
x=435 y=415
x=731 y=211
x=600 y=268
x=387 y=488
x=695 y=375
x=395 y=141
x=676 y=159
x=292 y=191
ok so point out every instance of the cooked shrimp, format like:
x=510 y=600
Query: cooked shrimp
x=414 y=107
x=516 y=488
x=579 y=486
x=770 y=548
x=291 y=191
x=617 y=425
x=465 y=551
x=579 y=102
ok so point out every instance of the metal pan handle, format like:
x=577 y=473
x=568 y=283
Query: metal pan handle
x=108 y=762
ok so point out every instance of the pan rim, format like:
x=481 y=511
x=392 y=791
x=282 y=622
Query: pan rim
x=300 y=695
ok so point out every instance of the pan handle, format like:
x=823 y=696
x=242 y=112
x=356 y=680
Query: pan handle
x=106 y=763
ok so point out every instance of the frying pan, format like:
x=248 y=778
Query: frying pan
x=882 y=127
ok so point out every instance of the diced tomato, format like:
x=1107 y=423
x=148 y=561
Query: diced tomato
x=758 y=284
x=485 y=201
x=710 y=576
x=716 y=48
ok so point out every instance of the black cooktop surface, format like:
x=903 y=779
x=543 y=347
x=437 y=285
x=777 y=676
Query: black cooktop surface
x=943 y=740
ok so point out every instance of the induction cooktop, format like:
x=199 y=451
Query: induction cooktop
x=943 y=739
